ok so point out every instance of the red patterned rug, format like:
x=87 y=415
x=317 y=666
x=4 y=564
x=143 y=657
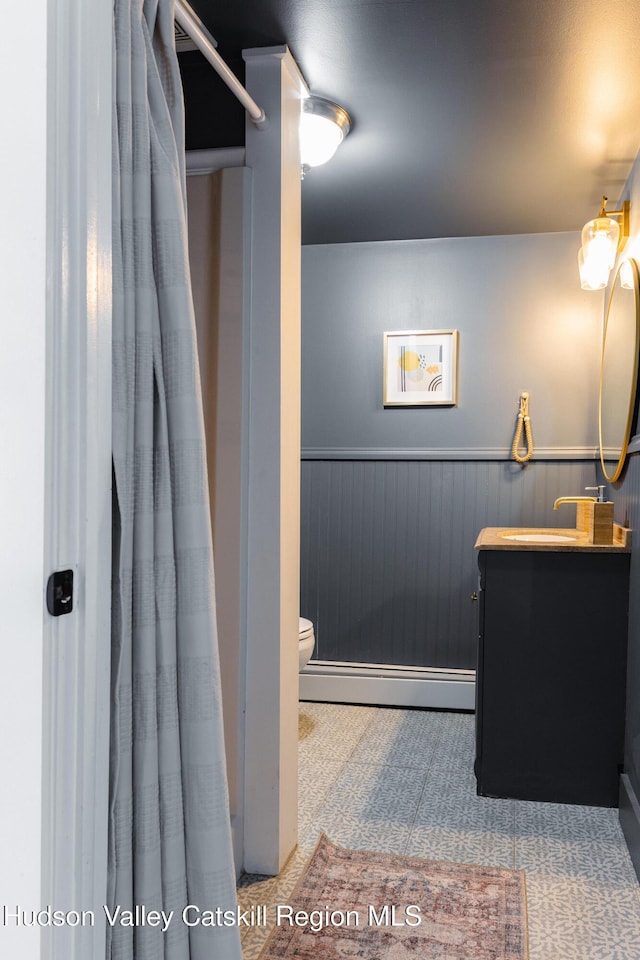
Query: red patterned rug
x=356 y=905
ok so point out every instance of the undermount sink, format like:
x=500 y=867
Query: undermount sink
x=560 y=539
x=539 y=537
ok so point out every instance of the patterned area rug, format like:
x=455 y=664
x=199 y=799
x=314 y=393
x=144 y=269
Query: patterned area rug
x=374 y=906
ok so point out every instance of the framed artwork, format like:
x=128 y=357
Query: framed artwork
x=420 y=368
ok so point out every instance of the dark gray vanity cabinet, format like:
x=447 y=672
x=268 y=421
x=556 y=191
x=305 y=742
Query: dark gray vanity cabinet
x=550 y=698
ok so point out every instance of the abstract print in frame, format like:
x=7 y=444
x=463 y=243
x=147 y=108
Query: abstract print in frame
x=420 y=368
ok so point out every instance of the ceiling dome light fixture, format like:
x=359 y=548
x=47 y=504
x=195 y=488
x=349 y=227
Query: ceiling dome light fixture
x=323 y=127
x=602 y=238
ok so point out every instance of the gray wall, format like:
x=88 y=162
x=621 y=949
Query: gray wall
x=393 y=499
x=524 y=324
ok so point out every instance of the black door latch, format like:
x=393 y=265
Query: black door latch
x=60 y=593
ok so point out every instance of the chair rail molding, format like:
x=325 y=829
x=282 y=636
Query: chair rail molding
x=445 y=453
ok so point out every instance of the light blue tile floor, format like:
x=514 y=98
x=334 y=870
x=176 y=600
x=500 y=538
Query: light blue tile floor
x=401 y=781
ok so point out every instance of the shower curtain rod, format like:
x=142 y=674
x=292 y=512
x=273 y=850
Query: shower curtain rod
x=192 y=25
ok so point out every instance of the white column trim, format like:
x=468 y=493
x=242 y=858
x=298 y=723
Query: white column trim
x=273 y=458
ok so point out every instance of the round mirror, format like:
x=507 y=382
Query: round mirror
x=619 y=369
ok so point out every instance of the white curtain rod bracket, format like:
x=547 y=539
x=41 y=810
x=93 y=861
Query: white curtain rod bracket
x=192 y=25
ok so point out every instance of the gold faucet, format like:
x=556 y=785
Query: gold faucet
x=574 y=500
x=594 y=518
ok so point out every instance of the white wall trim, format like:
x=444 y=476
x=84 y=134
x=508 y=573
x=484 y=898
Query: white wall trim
x=202 y=162
x=388 y=685
x=76 y=696
x=444 y=453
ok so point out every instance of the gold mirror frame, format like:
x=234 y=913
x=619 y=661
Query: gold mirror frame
x=619 y=371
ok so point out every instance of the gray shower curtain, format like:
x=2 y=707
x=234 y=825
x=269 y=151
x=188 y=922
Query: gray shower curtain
x=170 y=837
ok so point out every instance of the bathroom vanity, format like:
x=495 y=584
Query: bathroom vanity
x=550 y=683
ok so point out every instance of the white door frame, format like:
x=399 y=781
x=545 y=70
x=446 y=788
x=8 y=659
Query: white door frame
x=64 y=717
x=76 y=657
x=55 y=504
x=55 y=249
x=22 y=482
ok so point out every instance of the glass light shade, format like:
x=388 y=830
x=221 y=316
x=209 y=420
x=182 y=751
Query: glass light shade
x=594 y=275
x=626 y=275
x=323 y=127
x=319 y=139
x=600 y=241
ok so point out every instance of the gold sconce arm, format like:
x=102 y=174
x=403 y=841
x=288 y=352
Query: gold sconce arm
x=622 y=214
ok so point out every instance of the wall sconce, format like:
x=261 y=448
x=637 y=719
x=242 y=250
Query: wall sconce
x=626 y=275
x=602 y=238
x=323 y=127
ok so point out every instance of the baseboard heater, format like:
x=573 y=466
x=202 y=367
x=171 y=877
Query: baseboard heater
x=332 y=681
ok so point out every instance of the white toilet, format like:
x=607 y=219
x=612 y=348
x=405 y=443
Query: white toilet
x=306 y=642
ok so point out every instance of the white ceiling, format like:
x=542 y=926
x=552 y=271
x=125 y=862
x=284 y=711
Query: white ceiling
x=471 y=117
